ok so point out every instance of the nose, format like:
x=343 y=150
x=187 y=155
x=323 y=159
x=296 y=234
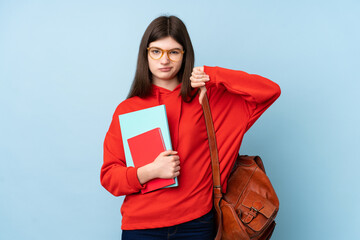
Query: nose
x=165 y=59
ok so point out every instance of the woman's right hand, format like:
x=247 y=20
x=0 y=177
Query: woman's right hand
x=166 y=165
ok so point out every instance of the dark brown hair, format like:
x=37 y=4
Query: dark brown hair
x=161 y=27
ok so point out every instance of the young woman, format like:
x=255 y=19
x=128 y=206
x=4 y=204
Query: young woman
x=165 y=75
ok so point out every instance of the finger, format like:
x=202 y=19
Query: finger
x=195 y=69
x=204 y=78
x=198 y=74
x=197 y=85
x=176 y=164
x=168 y=152
x=198 y=69
x=164 y=153
x=171 y=159
x=174 y=158
x=197 y=80
x=193 y=79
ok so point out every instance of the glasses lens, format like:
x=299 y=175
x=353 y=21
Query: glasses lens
x=155 y=53
x=175 y=54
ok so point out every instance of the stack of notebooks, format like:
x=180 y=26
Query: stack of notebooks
x=145 y=135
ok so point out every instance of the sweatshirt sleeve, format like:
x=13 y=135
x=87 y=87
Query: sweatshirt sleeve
x=115 y=176
x=257 y=92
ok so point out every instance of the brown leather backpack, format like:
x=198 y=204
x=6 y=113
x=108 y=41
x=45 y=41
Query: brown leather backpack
x=248 y=208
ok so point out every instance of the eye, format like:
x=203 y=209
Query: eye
x=155 y=51
x=175 y=52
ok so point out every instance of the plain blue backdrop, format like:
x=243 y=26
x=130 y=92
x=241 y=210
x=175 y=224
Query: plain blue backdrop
x=65 y=65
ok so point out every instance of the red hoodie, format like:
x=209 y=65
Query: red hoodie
x=237 y=99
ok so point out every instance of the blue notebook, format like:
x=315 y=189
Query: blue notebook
x=135 y=123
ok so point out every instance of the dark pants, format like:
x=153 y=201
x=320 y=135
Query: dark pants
x=198 y=229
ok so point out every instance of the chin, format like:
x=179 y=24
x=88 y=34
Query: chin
x=166 y=77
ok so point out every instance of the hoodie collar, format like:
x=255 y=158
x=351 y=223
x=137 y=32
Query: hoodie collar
x=164 y=90
x=160 y=93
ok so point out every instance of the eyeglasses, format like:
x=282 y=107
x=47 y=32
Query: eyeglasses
x=174 y=54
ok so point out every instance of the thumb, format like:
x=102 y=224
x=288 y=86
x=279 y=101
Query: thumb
x=168 y=152
x=202 y=94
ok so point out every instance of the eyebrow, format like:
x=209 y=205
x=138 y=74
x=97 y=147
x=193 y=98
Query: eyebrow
x=165 y=49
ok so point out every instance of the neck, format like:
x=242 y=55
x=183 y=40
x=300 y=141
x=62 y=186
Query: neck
x=167 y=84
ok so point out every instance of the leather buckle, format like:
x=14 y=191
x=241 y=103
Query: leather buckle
x=253 y=212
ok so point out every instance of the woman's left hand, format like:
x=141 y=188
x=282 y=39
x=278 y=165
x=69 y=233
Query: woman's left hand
x=198 y=79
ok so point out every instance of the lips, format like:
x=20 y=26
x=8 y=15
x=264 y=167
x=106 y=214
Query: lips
x=166 y=69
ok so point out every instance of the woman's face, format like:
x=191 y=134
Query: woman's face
x=164 y=69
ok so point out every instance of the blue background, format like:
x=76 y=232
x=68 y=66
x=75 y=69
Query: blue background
x=65 y=65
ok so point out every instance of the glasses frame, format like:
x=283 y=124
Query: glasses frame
x=163 y=51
